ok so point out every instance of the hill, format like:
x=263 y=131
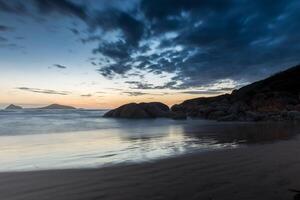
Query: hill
x=57 y=106
x=13 y=107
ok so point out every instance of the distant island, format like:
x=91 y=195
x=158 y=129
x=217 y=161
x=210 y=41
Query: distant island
x=52 y=106
x=276 y=98
x=57 y=106
x=13 y=107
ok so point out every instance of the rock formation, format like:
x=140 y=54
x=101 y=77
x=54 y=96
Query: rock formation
x=144 y=110
x=275 y=98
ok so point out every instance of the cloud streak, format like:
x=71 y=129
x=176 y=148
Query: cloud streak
x=86 y=95
x=43 y=91
x=136 y=93
x=60 y=66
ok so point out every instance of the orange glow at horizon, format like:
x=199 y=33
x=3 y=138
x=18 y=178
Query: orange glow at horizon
x=108 y=101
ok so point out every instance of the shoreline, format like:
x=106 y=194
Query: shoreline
x=131 y=163
x=265 y=171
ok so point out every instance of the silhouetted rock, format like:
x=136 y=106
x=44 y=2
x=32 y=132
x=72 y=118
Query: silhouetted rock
x=297 y=195
x=297 y=107
x=144 y=110
x=131 y=110
x=13 y=107
x=275 y=98
x=293 y=115
x=57 y=106
x=178 y=115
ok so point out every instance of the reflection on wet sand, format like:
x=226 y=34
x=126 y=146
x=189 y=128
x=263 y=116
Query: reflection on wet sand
x=248 y=133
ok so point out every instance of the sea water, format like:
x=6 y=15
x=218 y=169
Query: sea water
x=36 y=139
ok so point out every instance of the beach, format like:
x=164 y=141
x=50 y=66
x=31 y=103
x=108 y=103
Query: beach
x=149 y=100
x=259 y=171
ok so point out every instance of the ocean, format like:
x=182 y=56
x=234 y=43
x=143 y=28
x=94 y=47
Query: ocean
x=35 y=139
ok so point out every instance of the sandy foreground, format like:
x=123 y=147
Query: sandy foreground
x=258 y=172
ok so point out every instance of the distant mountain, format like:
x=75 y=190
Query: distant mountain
x=274 y=98
x=57 y=106
x=13 y=107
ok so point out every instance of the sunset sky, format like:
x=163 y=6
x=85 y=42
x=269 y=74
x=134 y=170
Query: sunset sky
x=101 y=54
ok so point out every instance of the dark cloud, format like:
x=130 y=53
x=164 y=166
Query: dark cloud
x=93 y=63
x=43 y=91
x=199 y=42
x=140 y=85
x=62 y=7
x=161 y=9
x=118 y=51
x=74 y=31
x=110 y=70
x=60 y=66
x=107 y=20
x=5 y=28
x=91 y=38
x=145 y=86
x=113 y=19
x=15 y=7
x=219 y=40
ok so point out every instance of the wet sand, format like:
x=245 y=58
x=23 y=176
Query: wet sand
x=257 y=172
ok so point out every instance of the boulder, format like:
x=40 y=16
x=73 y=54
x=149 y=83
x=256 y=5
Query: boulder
x=131 y=110
x=144 y=110
x=155 y=109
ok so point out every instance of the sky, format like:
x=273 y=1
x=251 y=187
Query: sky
x=102 y=54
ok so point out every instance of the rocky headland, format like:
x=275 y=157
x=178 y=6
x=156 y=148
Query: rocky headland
x=276 y=98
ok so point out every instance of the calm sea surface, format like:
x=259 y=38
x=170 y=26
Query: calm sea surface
x=33 y=139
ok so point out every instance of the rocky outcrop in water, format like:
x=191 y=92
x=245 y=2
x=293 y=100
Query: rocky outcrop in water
x=276 y=98
x=13 y=107
x=144 y=110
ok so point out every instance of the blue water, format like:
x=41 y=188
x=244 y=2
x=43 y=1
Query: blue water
x=32 y=139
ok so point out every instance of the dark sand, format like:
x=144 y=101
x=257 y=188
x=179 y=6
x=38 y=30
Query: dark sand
x=257 y=172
